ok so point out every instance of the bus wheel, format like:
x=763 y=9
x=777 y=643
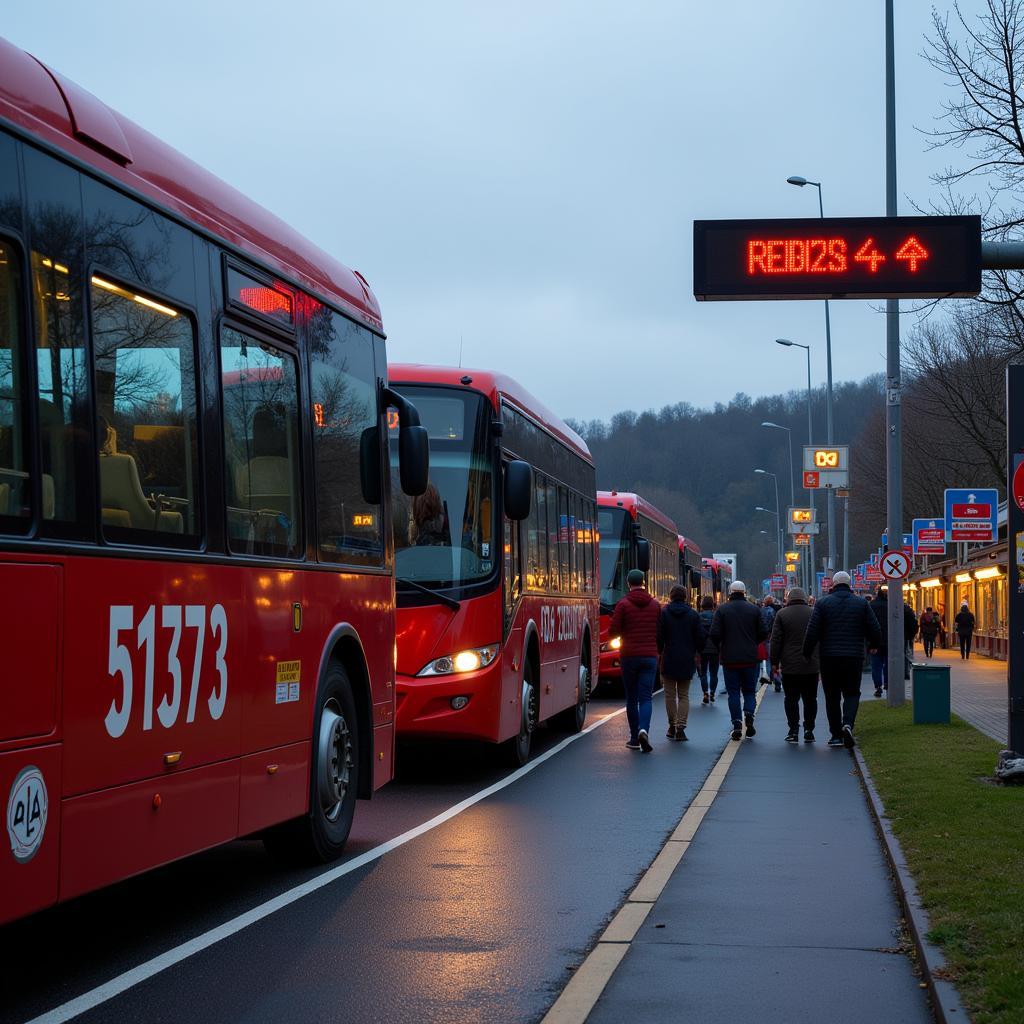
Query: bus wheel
x=519 y=746
x=572 y=718
x=320 y=835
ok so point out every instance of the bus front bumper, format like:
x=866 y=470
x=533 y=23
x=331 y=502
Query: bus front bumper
x=429 y=706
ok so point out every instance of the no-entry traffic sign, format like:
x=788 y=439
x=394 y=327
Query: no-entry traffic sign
x=895 y=565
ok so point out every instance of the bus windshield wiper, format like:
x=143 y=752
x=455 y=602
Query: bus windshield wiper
x=449 y=602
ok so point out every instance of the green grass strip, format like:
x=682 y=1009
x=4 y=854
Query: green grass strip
x=963 y=838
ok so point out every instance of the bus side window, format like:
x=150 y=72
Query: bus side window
x=15 y=484
x=343 y=405
x=145 y=378
x=261 y=446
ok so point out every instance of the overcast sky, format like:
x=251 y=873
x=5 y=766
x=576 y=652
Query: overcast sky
x=521 y=179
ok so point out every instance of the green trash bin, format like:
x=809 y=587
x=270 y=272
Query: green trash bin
x=931 y=694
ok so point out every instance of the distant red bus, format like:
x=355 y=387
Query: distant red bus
x=633 y=535
x=692 y=573
x=496 y=565
x=195 y=580
x=720 y=576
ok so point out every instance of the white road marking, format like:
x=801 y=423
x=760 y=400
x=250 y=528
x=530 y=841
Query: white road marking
x=129 y=979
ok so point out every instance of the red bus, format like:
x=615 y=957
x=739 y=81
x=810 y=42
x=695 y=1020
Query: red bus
x=196 y=584
x=633 y=534
x=495 y=565
x=720 y=575
x=692 y=573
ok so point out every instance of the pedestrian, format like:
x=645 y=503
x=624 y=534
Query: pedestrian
x=768 y=615
x=965 y=630
x=839 y=625
x=679 y=643
x=880 y=653
x=930 y=622
x=737 y=630
x=799 y=673
x=709 y=652
x=635 y=622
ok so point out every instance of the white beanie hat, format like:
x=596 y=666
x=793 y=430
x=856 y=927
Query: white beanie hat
x=737 y=587
x=841 y=577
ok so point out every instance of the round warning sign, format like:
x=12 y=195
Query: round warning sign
x=895 y=565
x=26 y=813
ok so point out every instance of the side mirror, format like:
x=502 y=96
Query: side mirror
x=369 y=466
x=643 y=554
x=414 y=459
x=518 y=489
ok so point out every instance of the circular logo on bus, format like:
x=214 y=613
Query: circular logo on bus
x=26 y=813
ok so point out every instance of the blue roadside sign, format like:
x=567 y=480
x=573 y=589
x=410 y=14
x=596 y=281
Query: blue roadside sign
x=929 y=536
x=971 y=514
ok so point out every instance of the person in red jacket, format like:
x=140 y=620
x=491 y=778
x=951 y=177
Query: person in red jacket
x=635 y=620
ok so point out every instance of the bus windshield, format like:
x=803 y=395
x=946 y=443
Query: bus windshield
x=613 y=525
x=446 y=537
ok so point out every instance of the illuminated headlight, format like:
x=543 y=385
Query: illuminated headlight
x=464 y=661
x=612 y=645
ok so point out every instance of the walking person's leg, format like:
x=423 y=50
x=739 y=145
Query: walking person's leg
x=749 y=686
x=850 y=680
x=671 y=687
x=791 y=702
x=963 y=642
x=629 y=689
x=702 y=671
x=683 y=715
x=731 y=677
x=833 y=699
x=647 y=672
x=877 y=667
x=969 y=638
x=713 y=670
x=809 y=696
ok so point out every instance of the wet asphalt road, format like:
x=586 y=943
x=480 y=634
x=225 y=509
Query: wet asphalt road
x=480 y=918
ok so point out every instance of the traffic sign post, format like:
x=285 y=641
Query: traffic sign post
x=1015 y=555
x=971 y=514
x=826 y=466
x=895 y=565
x=929 y=536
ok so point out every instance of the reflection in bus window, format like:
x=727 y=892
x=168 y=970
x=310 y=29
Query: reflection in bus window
x=445 y=537
x=60 y=368
x=614 y=526
x=261 y=447
x=146 y=417
x=344 y=401
x=15 y=489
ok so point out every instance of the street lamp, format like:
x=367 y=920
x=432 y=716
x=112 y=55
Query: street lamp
x=786 y=343
x=796 y=179
x=778 y=509
x=789 y=433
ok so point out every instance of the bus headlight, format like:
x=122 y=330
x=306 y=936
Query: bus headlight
x=612 y=645
x=464 y=661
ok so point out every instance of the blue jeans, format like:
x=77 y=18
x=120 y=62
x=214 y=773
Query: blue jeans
x=741 y=680
x=880 y=670
x=709 y=668
x=638 y=682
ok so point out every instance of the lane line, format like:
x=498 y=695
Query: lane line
x=580 y=995
x=136 y=975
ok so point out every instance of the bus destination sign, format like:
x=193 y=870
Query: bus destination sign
x=837 y=258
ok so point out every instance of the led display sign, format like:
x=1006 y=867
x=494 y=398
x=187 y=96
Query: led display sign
x=837 y=258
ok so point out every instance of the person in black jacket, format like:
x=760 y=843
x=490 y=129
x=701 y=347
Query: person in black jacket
x=679 y=642
x=880 y=656
x=965 y=630
x=736 y=630
x=708 y=667
x=839 y=625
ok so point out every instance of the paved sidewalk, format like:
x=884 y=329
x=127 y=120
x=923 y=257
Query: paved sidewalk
x=977 y=689
x=782 y=910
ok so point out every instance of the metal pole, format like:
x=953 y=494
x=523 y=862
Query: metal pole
x=1014 y=526
x=812 y=567
x=830 y=498
x=778 y=520
x=846 y=533
x=893 y=389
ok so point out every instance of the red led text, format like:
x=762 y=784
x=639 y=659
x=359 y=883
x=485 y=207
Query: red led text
x=826 y=256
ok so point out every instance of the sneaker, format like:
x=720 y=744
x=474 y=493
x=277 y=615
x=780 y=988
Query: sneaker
x=848 y=741
x=681 y=734
x=878 y=693
x=633 y=744
x=737 y=730
x=671 y=734
x=706 y=698
x=751 y=731
x=792 y=736
x=778 y=688
x=712 y=699
x=645 y=743
x=835 y=741
x=808 y=736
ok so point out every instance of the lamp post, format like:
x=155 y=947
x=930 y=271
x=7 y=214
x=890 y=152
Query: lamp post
x=830 y=498
x=786 y=343
x=792 y=492
x=778 y=512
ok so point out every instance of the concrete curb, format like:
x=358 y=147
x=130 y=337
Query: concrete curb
x=946 y=1003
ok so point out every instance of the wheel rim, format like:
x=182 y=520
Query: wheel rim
x=335 y=760
x=584 y=691
x=529 y=720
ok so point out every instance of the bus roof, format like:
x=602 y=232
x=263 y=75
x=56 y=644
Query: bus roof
x=495 y=386
x=53 y=109
x=635 y=505
x=685 y=544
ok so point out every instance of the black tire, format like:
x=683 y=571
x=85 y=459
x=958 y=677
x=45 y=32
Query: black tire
x=517 y=749
x=320 y=835
x=572 y=718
